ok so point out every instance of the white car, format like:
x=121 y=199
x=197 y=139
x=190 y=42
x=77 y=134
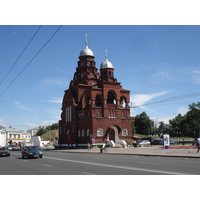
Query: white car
x=144 y=142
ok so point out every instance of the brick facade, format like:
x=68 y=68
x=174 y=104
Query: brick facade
x=95 y=105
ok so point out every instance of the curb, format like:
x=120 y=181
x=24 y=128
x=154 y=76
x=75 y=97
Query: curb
x=136 y=154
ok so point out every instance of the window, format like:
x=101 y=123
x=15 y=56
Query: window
x=99 y=132
x=98 y=100
x=88 y=132
x=123 y=102
x=124 y=132
x=79 y=133
x=111 y=98
x=83 y=133
x=68 y=114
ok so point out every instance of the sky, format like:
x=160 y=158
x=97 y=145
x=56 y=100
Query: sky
x=155 y=62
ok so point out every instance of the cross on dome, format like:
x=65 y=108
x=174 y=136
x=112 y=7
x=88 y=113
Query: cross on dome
x=86 y=39
x=106 y=54
x=86 y=51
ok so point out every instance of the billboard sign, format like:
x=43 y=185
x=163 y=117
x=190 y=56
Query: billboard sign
x=166 y=140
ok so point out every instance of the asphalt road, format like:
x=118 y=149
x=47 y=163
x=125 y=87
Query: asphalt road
x=59 y=163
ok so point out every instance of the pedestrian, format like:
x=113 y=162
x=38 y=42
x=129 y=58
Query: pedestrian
x=183 y=142
x=134 y=144
x=88 y=145
x=198 y=144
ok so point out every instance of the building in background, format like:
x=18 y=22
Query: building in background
x=2 y=136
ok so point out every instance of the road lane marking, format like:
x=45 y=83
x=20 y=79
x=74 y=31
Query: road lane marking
x=87 y=173
x=46 y=165
x=119 y=167
x=147 y=163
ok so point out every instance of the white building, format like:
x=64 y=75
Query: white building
x=37 y=141
x=2 y=136
x=33 y=131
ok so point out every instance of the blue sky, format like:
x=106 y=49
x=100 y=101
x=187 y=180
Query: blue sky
x=154 y=62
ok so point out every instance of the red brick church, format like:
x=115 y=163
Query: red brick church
x=95 y=108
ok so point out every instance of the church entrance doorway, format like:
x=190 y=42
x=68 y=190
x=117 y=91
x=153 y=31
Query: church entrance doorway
x=113 y=134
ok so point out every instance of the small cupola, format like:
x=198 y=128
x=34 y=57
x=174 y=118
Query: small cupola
x=107 y=70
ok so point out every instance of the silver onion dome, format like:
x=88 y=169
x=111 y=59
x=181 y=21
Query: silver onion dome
x=86 y=52
x=106 y=64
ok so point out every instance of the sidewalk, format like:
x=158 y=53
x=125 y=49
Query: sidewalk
x=143 y=151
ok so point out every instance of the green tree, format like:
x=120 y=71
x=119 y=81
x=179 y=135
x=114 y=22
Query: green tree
x=143 y=124
x=133 y=126
x=193 y=117
x=54 y=126
x=41 y=131
x=176 y=125
x=163 y=128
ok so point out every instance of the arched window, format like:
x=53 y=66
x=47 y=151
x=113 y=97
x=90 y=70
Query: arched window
x=124 y=132
x=88 y=132
x=98 y=101
x=83 y=133
x=123 y=101
x=114 y=114
x=111 y=98
x=100 y=132
x=79 y=133
x=82 y=75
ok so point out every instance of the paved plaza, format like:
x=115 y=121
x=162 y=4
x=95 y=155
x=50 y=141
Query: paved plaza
x=185 y=151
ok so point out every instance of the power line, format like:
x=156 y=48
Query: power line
x=20 y=54
x=170 y=99
x=32 y=59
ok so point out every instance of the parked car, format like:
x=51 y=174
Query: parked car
x=31 y=151
x=16 y=148
x=144 y=142
x=173 y=141
x=10 y=147
x=4 y=151
x=157 y=142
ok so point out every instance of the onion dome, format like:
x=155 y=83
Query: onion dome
x=86 y=52
x=106 y=64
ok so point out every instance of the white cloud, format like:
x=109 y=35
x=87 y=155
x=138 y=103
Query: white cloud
x=56 y=100
x=182 y=110
x=195 y=76
x=21 y=107
x=54 y=82
x=47 y=83
x=194 y=71
x=141 y=99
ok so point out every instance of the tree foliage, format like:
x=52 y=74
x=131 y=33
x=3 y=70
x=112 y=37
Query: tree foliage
x=143 y=124
x=46 y=129
x=187 y=125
